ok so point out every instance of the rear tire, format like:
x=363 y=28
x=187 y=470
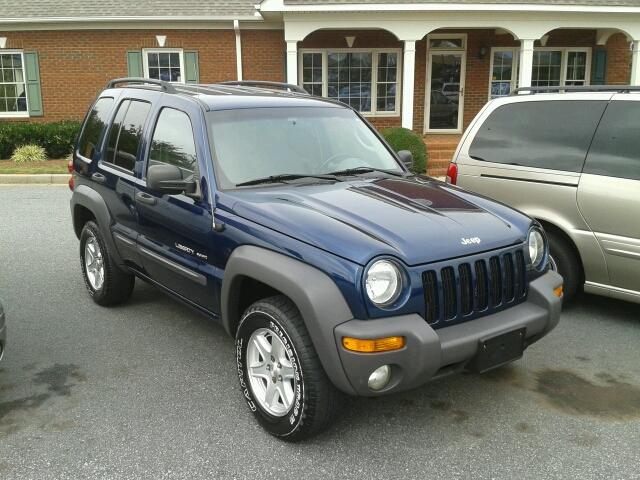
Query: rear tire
x=281 y=377
x=106 y=283
x=564 y=260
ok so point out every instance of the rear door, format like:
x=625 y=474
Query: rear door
x=609 y=190
x=115 y=176
x=176 y=231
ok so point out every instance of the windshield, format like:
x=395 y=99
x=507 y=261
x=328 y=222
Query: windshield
x=250 y=144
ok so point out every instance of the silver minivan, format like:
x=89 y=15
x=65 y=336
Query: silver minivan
x=570 y=158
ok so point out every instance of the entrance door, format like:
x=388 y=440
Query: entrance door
x=445 y=90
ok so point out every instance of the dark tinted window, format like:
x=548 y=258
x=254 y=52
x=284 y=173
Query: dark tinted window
x=173 y=141
x=93 y=127
x=126 y=133
x=544 y=134
x=615 y=151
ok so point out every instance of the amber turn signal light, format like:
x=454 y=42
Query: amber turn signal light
x=372 y=346
x=558 y=290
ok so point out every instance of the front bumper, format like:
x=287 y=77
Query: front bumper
x=429 y=354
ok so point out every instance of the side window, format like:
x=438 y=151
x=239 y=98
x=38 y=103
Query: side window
x=93 y=126
x=615 y=150
x=173 y=142
x=126 y=132
x=542 y=134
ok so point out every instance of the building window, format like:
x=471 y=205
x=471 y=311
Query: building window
x=163 y=64
x=365 y=80
x=552 y=67
x=13 y=92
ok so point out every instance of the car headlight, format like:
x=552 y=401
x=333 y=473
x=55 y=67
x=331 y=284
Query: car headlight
x=537 y=247
x=383 y=282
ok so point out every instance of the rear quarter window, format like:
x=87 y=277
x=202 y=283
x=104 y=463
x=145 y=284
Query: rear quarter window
x=542 y=134
x=615 y=151
x=93 y=126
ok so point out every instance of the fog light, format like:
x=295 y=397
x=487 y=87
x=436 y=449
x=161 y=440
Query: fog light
x=380 y=377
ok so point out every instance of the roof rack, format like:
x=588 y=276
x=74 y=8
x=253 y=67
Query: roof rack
x=281 y=85
x=577 y=88
x=166 y=86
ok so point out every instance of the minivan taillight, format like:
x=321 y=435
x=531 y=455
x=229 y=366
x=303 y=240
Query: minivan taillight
x=70 y=167
x=452 y=174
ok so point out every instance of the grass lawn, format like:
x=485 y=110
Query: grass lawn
x=48 y=166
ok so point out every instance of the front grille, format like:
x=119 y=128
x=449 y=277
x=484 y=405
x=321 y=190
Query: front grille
x=471 y=289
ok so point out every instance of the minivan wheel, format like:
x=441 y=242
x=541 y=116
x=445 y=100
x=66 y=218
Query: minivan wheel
x=454 y=119
x=106 y=283
x=281 y=377
x=563 y=260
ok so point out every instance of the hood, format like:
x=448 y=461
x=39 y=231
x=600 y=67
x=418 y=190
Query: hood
x=416 y=220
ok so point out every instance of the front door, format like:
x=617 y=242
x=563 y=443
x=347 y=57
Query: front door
x=445 y=90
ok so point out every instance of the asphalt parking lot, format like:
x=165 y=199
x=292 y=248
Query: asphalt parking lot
x=148 y=389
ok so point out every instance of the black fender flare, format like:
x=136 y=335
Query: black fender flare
x=93 y=201
x=316 y=295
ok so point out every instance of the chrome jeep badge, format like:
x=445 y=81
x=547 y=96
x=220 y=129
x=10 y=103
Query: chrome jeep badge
x=467 y=241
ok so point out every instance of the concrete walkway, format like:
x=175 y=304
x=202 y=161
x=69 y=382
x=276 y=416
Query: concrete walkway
x=17 y=178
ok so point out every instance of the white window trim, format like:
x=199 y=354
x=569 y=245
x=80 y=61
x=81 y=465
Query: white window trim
x=436 y=36
x=563 y=68
x=514 y=67
x=24 y=81
x=374 y=75
x=145 y=60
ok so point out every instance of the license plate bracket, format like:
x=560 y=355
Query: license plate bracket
x=497 y=350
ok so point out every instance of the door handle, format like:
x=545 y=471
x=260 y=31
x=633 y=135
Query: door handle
x=146 y=198
x=98 y=177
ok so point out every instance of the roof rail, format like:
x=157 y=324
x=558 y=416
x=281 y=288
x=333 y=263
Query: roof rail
x=577 y=88
x=257 y=83
x=166 y=86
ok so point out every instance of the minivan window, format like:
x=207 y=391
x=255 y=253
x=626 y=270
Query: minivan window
x=615 y=151
x=554 y=135
x=93 y=127
x=126 y=132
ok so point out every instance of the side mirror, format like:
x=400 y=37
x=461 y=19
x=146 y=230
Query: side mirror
x=168 y=179
x=407 y=158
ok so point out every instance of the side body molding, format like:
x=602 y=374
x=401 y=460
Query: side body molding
x=92 y=200
x=315 y=294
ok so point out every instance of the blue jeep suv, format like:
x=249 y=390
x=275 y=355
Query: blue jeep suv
x=289 y=220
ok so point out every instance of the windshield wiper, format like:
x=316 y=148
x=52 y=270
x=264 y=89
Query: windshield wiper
x=359 y=170
x=283 y=178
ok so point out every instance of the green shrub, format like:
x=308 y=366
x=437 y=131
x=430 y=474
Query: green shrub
x=57 y=138
x=29 y=153
x=404 y=139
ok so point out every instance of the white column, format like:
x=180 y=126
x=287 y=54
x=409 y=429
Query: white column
x=408 y=82
x=292 y=62
x=526 y=63
x=635 y=63
x=236 y=27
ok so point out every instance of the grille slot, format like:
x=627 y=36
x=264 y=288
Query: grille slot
x=509 y=278
x=466 y=289
x=496 y=281
x=481 y=285
x=449 y=297
x=521 y=273
x=430 y=282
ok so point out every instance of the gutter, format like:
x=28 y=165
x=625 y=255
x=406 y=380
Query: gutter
x=236 y=27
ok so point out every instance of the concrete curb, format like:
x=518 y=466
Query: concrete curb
x=39 y=179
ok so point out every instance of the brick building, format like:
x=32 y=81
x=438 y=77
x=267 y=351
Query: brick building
x=428 y=65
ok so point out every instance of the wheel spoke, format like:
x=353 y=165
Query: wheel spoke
x=263 y=346
x=272 y=395
x=286 y=399
x=259 y=370
x=287 y=371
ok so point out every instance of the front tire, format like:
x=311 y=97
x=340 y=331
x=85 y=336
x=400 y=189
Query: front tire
x=106 y=283
x=563 y=260
x=281 y=377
